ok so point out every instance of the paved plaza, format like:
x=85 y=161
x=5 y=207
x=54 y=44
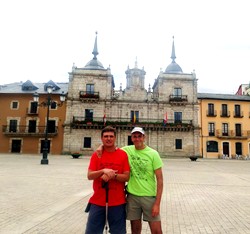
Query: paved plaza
x=206 y=196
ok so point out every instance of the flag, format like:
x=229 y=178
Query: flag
x=134 y=118
x=104 y=119
x=165 y=119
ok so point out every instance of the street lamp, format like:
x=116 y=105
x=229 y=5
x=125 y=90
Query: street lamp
x=47 y=104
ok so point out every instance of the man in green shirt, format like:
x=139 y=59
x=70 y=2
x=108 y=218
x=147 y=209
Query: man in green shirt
x=145 y=185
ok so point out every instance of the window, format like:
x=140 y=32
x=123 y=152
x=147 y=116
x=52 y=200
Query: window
x=224 y=110
x=177 y=117
x=224 y=129
x=211 y=129
x=178 y=143
x=32 y=126
x=53 y=105
x=210 y=109
x=52 y=126
x=130 y=141
x=33 y=107
x=87 y=142
x=134 y=116
x=13 y=125
x=212 y=146
x=88 y=115
x=14 y=105
x=238 y=129
x=237 y=112
x=90 y=89
x=177 y=92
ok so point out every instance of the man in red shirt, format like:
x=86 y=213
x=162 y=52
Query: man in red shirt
x=111 y=168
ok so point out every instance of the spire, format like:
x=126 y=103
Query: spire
x=136 y=64
x=94 y=64
x=173 y=57
x=95 y=51
x=173 y=67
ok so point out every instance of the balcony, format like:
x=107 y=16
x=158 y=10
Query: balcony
x=238 y=114
x=233 y=134
x=178 y=99
x=225 y=114
x=26 y=131
x=80 y=122
x=85 y=96
x=211 y=113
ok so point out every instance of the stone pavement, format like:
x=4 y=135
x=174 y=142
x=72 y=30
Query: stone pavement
x=206 y=196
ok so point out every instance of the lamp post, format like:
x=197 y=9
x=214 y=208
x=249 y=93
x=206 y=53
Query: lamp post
x=47 y=104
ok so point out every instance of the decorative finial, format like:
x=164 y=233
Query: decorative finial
x=136 y=66
x=149 y=88
x=95 y=51
x=173 y=57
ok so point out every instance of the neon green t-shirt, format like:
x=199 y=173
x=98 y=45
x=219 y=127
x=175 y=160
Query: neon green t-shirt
x=143 y=163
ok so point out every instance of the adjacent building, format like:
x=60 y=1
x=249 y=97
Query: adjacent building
x=23 y=121
x=225 y=129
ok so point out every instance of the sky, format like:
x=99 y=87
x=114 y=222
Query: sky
x=41 y=39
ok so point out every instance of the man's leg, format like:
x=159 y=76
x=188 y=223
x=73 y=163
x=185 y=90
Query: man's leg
x=136 y=226
x=155 y=227
x=117 y=219
x=134 y=213
x=96 y=220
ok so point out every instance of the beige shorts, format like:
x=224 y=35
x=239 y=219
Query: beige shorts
x=138 y=206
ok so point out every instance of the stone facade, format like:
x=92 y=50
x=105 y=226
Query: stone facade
x=168 y=111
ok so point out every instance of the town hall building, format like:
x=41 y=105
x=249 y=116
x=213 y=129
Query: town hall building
x=168 y=110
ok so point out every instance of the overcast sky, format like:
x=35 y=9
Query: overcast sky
x=40 y=40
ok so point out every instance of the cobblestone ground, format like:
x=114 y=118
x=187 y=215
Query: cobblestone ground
x=206 y=196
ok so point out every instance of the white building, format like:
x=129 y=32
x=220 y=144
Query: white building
x=168 y=112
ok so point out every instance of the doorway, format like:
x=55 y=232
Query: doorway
x=225 y=146
x=16 y=146
x=238 y=148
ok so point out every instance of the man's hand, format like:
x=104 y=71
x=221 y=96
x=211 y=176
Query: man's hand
x=155 y=210
x=99 y=151
x=108 y=174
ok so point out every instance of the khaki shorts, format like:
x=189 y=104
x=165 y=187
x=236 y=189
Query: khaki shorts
x=138 y=206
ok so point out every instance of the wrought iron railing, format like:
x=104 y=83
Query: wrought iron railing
x=25 y=130
x=99 y=122
x=178 y=98
x=232 y=134
x=85 y=94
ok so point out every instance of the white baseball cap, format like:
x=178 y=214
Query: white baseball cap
x=138 y=129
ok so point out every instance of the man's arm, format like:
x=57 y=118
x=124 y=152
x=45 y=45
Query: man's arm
x=96 y=174
x=124 y=177
x=159 y=179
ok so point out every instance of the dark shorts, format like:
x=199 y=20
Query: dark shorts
x=97 y=217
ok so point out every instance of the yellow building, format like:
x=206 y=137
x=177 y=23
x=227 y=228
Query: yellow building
x=23 y=121
x=225 y=125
